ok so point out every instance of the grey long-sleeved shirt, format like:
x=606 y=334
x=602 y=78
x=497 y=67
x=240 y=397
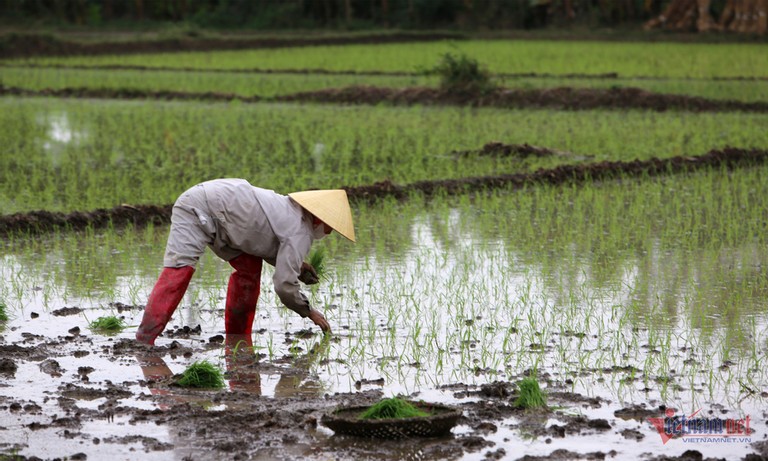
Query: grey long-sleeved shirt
x=242 y=218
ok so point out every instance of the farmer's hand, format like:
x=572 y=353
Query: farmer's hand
x=308 y=274
x=319 y=319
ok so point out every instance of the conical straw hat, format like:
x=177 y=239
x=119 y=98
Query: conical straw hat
x=330 y=206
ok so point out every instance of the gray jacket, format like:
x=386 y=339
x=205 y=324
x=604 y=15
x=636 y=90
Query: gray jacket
x=234 y=217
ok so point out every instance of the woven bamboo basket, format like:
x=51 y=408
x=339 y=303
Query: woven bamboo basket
x=346 y=420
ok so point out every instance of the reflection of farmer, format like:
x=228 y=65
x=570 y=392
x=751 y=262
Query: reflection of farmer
x=243 y=371
x=242 y=361
x=294 y=381
x=244 y=225
x=156 y=370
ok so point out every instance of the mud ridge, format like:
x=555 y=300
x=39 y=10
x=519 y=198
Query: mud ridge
x=498 y=149
x=36 y=222
x=565 y=174
x=374 y=73
x=20 y=45
x=560 y=98
x=315 y=71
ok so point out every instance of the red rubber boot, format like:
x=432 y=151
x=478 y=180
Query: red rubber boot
x=163 y=301
x=242 y=294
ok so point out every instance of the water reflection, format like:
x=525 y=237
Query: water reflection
x=245 y=371
x=449 y=293
x=60 y=134
x=242 y=364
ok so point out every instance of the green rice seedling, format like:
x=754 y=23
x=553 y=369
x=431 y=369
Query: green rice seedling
x=108 y=324
x=393 y=408
x=663 y=59
x=3 y=312
x=531 y=395
x=54 y=135
x=245 y=84
x=202 y=374
x=249 y=84
x=317 y=260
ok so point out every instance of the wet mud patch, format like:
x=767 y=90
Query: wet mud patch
x=151 y=417
x=563 y=454
x=7 y=367
x=140 y=215
x=638 y=412
x=65 y=311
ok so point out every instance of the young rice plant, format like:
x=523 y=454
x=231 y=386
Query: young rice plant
x=202 y=374
x=108 y=324
x=531 y=395
x=393 y=408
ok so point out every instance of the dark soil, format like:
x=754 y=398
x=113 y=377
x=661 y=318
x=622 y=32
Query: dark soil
x=250 y=424
x=371 y=73
x=498 y=149
x=560 y=98
x=140 y=215
x=26 y=45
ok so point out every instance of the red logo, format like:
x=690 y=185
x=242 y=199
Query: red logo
x=702 y=429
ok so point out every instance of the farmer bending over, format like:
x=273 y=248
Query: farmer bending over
x=245 y=225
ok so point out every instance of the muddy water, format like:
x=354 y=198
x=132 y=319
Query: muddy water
x=435 y=305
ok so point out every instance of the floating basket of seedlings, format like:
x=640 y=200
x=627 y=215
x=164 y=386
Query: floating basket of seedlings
x=393 y=418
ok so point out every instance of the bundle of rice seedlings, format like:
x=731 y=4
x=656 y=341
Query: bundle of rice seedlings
x=3 y=312
x=109 y=324
x=317 y=260
x=201 y=374
x=531 y=395
x=394 y=407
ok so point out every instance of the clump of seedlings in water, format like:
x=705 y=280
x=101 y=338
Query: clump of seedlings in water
x=393 y=408
x=201 y=374
x=531 y=395
x=3 y=312
x=108 y=324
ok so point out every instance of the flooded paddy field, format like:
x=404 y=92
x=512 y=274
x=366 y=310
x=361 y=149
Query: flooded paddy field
x=610 y=242
x=451 y=301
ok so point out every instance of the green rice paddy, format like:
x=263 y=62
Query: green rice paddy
x=63 y=155
x=500 y=56
x=635 y=289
